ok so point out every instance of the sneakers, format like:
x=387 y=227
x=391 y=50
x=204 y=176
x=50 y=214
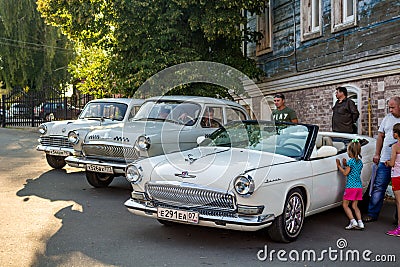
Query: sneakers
x=360 y=225
x=353 y=225
x=395 y=232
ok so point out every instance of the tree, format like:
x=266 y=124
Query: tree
x=32 y=54
x=140 y=38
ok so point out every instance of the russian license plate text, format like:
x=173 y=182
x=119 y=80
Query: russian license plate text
x=178 y=215
x=99 y=168
x=58 y=153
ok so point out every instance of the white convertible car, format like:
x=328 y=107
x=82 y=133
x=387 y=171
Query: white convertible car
x=247 y=176
x=96 y=113
x=162 y=125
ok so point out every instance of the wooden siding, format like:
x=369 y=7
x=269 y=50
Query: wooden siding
x=376 y=33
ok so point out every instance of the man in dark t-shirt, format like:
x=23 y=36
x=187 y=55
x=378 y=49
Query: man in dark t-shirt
x=282 y=112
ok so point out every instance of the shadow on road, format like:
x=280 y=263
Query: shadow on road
x=105 y=233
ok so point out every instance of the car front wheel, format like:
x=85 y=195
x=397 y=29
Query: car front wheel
x=56 y=162
x=99 y=180
x=287 y=227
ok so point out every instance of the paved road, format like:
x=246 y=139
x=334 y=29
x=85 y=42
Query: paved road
x=54 y=218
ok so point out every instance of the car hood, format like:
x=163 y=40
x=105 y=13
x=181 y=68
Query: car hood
x=215 y=167
x=65 y=126
x=129 y=132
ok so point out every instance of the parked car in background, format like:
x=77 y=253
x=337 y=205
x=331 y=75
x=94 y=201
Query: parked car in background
x=162 y=125
x=20 y=110
x=247 y=176
x=50 y=111
x=96 y=113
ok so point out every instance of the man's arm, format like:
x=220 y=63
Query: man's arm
x=378 y=147
x=354 y=111
x=293 y=116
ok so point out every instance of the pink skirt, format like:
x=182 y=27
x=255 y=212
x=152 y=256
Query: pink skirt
x=352 y=194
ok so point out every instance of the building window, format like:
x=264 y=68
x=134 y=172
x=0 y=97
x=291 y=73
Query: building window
x=344 y=14
x=264 y=27
x=310 y=19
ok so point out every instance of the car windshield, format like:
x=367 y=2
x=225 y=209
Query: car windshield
x=281 y=138
x=104 y=110
x=174 y=111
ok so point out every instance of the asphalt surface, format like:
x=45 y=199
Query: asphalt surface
x=55 y=218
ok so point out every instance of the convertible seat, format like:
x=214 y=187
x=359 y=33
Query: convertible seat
x=321 y=141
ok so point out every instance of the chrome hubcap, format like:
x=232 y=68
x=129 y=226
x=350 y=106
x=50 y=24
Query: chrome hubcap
x=294 y=215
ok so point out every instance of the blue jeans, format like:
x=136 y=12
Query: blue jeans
x=380 y=185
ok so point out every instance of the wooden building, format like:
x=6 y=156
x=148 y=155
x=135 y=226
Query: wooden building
x=310 y=47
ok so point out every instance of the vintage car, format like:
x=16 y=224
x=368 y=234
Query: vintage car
x=247 y=176
x=96 y=113
x=162 y=125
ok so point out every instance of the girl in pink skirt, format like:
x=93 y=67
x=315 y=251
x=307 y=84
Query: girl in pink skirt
x=353 y=190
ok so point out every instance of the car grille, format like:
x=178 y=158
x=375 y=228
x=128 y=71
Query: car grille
x=56 y=141
x=187 y=196
x=110 y=151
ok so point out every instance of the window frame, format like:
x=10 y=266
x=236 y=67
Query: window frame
x=264 y=45
x=339 y=18
x=309 y=18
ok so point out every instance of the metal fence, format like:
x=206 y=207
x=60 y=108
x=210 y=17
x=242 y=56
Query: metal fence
x=20 y=108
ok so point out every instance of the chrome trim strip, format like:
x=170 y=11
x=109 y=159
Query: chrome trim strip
x=48 y=148
x=252 y=221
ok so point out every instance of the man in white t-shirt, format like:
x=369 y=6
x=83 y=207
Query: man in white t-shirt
x=383 y=150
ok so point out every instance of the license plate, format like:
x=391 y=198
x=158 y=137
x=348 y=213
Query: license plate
x=99 y=168
x=58 y=153
x=178 y=215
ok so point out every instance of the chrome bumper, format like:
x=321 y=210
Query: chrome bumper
x=243 y=223
x=54 y=148
x=80 y=162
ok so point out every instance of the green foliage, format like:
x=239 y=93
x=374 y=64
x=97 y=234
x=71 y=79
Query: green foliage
x=122 y=43
x=32 y=53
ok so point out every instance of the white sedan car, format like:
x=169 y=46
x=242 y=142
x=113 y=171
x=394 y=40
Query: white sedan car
x=162 y=125
x=96 y=113
x=247 y=176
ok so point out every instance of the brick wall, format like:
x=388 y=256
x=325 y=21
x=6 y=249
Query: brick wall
x=314 y=105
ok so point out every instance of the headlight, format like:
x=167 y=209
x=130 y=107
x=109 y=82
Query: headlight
x=42 y=129
x=143 y=143
x=244 y=185
x=73 y=137
x=134 y=174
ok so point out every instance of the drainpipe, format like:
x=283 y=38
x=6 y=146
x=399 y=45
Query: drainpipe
x=369 y=111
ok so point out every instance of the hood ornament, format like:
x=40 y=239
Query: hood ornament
x=185 y=174
x=190 y=158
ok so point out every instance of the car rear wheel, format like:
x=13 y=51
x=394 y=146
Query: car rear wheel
x=99 y=180
x=287 y=227
x=56 y=162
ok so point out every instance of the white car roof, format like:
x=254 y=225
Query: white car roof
x=120 y=100
x=196 y=99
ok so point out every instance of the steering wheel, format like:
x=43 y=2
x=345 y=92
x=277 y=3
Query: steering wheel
x=186 y=120
x=296 y=146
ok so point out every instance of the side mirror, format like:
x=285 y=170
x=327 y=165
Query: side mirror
x=200 y=139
